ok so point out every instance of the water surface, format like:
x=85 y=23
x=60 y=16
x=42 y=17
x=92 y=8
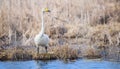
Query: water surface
x=57 y=64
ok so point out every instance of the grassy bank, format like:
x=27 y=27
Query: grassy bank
x=25 y=53
x=92 y=27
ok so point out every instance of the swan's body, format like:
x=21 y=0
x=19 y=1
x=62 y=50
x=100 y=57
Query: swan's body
x=42 y=39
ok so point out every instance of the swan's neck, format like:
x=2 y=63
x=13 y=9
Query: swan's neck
x=42 y=26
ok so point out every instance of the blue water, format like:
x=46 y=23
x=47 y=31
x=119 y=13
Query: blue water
x=57 y=64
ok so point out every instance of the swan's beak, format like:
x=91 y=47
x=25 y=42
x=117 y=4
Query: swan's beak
x=47 y=10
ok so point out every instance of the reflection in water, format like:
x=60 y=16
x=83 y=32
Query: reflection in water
x=57 y=64
x=18 y=65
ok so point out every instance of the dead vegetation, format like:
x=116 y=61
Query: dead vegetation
x=66 y=52
x=89 y=24
x=21 y=53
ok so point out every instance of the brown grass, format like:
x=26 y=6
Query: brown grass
x=76 y=22
x=66 y=52
x=21 y=53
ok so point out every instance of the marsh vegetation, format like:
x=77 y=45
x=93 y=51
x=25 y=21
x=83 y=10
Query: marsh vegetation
x=77 y=28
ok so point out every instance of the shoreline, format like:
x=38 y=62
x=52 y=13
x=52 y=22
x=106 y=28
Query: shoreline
x=21 y=54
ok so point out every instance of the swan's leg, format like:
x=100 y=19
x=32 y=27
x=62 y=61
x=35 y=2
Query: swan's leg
x=46 y=49
x=37 y=50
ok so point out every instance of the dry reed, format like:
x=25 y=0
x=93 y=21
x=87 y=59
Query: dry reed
x=87 y=22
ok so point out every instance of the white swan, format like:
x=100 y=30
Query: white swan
x=42 y=39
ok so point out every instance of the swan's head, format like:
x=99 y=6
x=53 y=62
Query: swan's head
x=45 y=10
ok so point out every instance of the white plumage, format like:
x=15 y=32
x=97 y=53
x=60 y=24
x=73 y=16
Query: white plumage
x=42 y=39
